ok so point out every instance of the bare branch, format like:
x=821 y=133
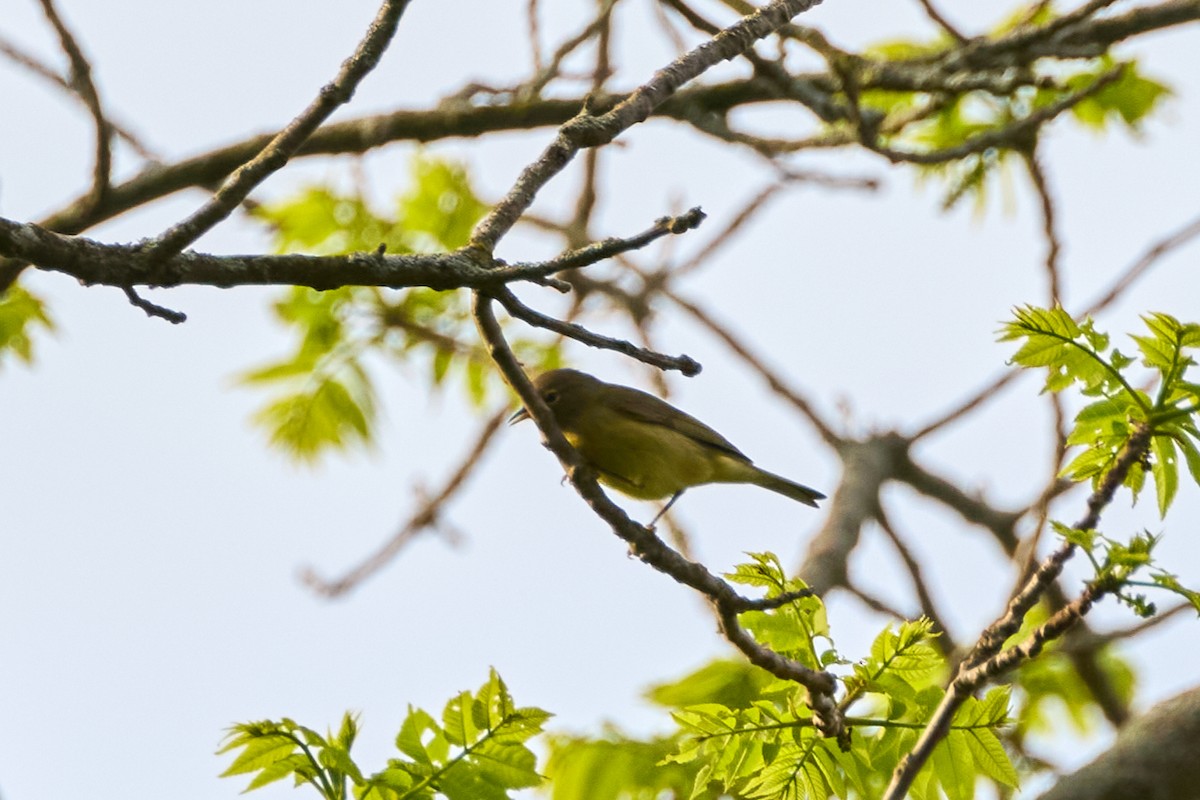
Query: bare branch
x=154 y=310
x=866 y=466
x=1154 y=756
x=936 y=16
x=685 y=364
x=285 y=143
x=607 y=248
x=1015 y=136
x=988 y=392
x=769 y=375
x=1140 y=267
x=1049 y=224
x=589 y=129
x=1000 y=523
x=81 y=82
x=421 y=520
x=929 y=609
x=19 y=56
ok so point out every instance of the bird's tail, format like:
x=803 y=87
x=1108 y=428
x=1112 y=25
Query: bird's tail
x=780 y=484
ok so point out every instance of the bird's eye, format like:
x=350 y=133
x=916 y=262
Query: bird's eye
x=551 y=397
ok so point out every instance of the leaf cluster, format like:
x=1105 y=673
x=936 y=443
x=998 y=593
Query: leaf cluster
x=1050 y=692
x=928 y=122
x=740 y=731
x=755 y=738
x=1076 y=353
x=476 y=752
x=1116 y=564
x=323 y=391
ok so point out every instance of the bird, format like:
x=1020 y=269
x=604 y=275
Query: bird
x=643 y=446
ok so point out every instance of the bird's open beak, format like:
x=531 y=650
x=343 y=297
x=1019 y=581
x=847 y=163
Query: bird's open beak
x=520 y=416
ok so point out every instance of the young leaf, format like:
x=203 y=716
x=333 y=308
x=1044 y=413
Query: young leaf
x=20 y=312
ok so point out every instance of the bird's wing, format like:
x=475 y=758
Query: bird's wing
x=647 y=408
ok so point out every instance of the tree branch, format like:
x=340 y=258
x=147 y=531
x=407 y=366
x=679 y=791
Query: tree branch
x=590 y=129
x=986 y=660
x=649 y=548
x=284 y=144
x=81 y=82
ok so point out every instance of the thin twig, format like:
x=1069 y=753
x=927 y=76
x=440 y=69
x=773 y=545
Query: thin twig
x=425 y=517
x=1037 y=174
x=685 y=364
x=945 y=24
x=772 y=378
x=19 y=56
x=153 y=309
x=1014 y=136
x=944 y=642
x=285 y=143
x=1139 y=268
x=81 y=82
x=533 y=27
x=876 y=604
x=534 y=86
x=607 y=248
x=589 y=129
x=1093 y=641
x=989 y=391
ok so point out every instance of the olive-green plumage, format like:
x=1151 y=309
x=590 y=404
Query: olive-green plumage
x=644 y=446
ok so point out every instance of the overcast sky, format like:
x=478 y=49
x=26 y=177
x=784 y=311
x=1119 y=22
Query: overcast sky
x=151 y=542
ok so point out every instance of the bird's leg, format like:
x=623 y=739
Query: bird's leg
x=670 y=503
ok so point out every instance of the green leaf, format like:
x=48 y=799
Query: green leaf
x=506 y=764
x=1165 y=471
x=953 y=764
x=1085 y=539
x=1070 y=350
x=258 y=751
x=20 y=313
x=325 y=414
x=441 y=209
x=1191 y=455
x=1130 y=98
x=411 y=739
x=456 y=720
x=734 y=684
x=618 y=768
x=1091 y=463
x=1171 y=583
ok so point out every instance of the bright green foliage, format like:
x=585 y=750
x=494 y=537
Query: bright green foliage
x=477 y=752
x=1051 y=691
x=616 y=768
x=20 y=313
x=1077 y=353
x=440 y=210
x=1129 y=99
x=1117 y=563
x=798 y=629
x=753 y=737
x=925 y=123
x=736 y=684
x=277 y=750
x=324 y=397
